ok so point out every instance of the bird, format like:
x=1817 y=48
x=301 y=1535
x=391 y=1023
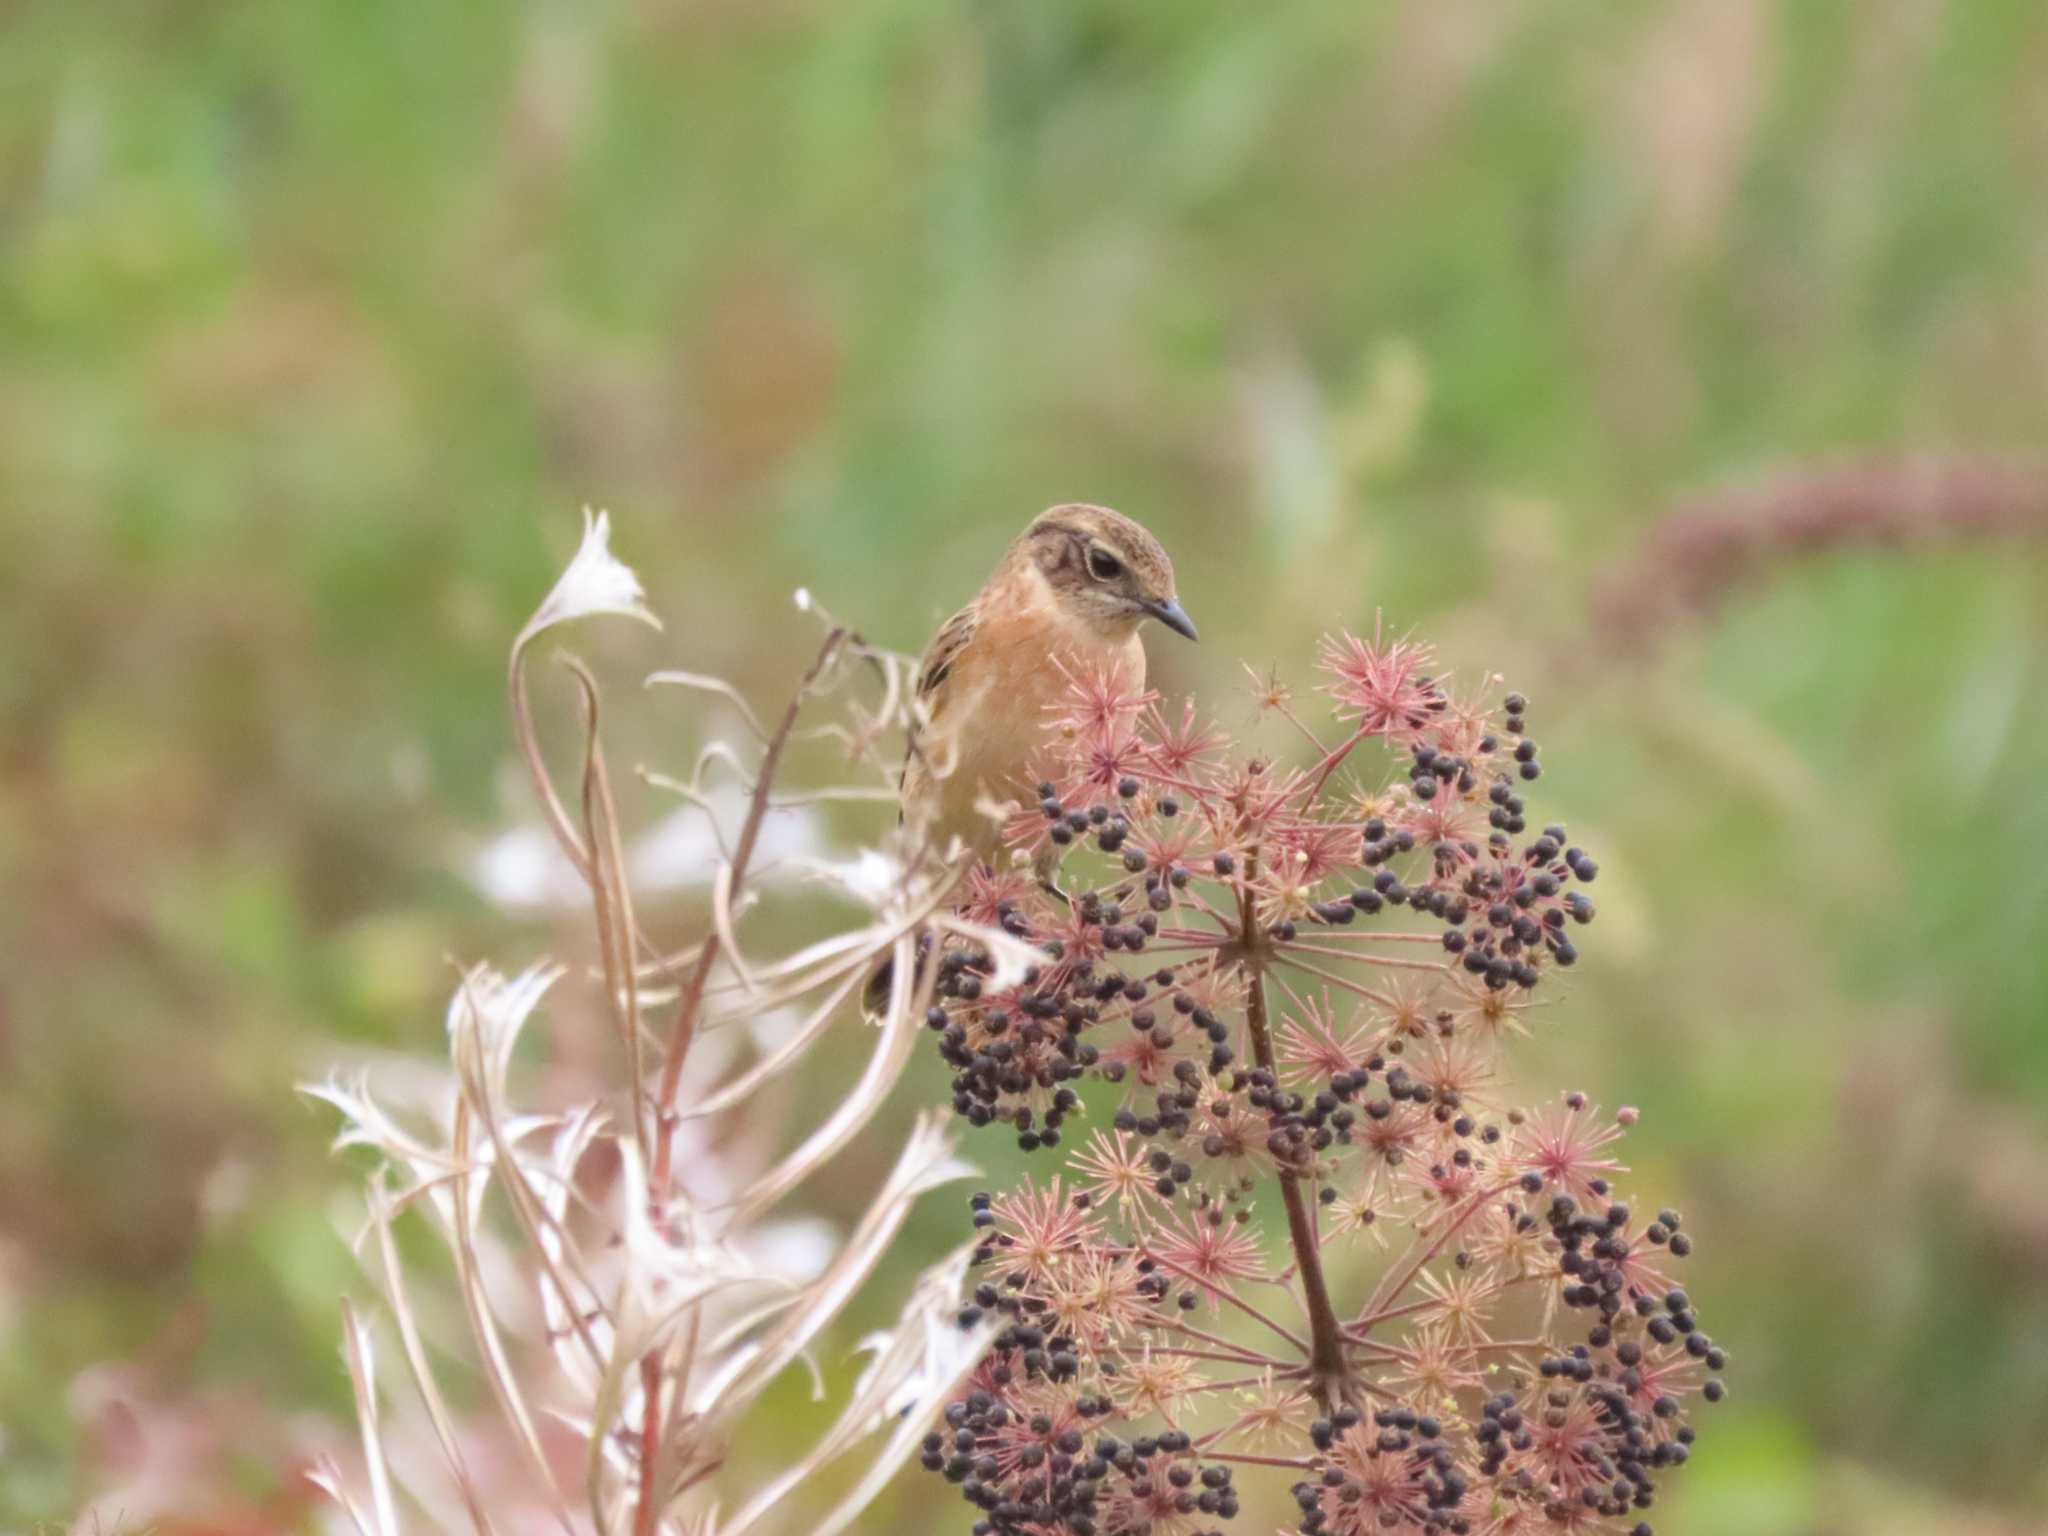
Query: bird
x=1067 y=598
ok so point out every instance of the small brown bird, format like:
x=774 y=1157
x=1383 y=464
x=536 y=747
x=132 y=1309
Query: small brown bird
x=1066 y=600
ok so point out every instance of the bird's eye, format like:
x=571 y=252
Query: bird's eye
x=1104 y=566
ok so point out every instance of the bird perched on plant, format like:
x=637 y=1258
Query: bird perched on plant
x=1066 y=600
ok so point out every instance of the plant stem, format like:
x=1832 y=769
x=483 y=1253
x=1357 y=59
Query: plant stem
x=1397 y=1281
x=647 y=1510
x=1327 y=1364
x=1224 y=1293
x=692 y=998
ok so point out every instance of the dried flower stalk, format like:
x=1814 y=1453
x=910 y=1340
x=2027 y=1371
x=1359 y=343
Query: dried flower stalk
x=661 y=1329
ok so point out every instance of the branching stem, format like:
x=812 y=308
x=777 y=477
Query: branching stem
x=1328 y=1367
x=691 y=1001
x=647 y=1513
x=1397 y=1281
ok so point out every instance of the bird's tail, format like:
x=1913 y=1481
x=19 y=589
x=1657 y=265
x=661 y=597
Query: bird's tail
x=874 y=997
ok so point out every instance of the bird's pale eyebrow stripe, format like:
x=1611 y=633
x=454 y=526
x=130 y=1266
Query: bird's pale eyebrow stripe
x=1040 y=529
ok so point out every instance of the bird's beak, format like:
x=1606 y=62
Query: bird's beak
x=1174 y=617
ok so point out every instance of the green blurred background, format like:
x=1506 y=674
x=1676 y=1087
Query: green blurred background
x=319 y=321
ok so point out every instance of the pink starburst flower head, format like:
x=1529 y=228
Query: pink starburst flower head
x=1100 y=698
x=1564 y=1148
x=1382 y=684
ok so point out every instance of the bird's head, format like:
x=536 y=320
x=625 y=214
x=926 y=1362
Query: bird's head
x=1105 y=571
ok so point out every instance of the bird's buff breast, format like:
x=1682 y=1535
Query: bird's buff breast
x=996 y=719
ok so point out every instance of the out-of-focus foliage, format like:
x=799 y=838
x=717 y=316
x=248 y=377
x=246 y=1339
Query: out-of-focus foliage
x=319 y=321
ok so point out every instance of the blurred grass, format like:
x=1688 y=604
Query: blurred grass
x=317 y=323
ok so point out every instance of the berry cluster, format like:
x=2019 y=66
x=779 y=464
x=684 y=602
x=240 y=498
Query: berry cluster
x=1392 y=1472
x=1029 y=1464
x=1297 y=984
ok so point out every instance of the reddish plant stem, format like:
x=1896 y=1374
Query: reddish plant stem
x=691 y=1001
x=645 y=1516
x=1245 y=1381
x=1326 y=1360
x=1287 y=956
x=1356 y=1330
x=1224 y=1293
x=1174 y=1351
x=1330 y=763
x=1399 y=1280
x=648 y=1513
x=1365 y=957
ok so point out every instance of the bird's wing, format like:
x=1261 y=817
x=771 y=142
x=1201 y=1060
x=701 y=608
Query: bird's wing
x=945 y=648
x=932 y=672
